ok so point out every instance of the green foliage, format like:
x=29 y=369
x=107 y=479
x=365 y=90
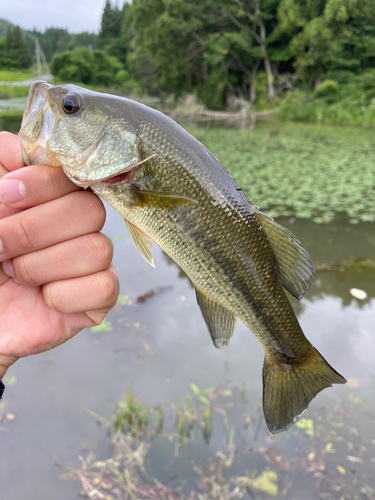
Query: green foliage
x=86 y=66
x=59 y=40
x=327 y=87
x=350 y=102
x=110 y=24
x=14 y=52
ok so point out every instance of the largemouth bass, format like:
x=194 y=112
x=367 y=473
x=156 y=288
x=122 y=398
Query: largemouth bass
x=172 y=191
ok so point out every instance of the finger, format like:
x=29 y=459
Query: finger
x=3 y=277
x=81 y=256
x=34 y=185
x=10 y=151
x=7 y=212
x=97 y=291
x=59 y=220
x=5 y=363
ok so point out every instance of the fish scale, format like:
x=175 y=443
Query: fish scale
x=172 y=191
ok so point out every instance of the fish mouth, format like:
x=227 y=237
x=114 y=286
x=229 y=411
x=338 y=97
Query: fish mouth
x=37 y=127
x=125 y=175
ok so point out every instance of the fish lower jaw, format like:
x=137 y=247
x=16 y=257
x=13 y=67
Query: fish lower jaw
x=37 y=154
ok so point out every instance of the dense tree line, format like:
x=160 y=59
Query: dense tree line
x=216 y=48
x=14 y=51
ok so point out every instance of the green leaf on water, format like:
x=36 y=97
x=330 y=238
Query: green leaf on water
x=10 y=379
x=307 y=424
x=105 y=326
x=122 y=299
x=267 y=482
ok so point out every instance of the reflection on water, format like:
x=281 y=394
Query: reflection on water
x=161 y=346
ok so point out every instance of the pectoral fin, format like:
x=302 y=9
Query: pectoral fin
x=296 y=269
x=141 y=242
x=220 y=322
x=158 y=199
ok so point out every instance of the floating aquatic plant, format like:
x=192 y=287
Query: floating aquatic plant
x=308 y=171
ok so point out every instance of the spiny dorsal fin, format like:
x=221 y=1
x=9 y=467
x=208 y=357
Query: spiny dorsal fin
x=141 y=242
x=297 y=271
x=159 y=199
x=220 y=322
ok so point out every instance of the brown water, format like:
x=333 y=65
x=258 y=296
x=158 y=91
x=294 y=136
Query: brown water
x=162 y=346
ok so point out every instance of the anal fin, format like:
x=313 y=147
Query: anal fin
x=141 y=242
x=220 y=322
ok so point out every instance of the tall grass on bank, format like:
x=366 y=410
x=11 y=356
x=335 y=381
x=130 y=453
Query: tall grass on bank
x=342 y=98
x=301 y=107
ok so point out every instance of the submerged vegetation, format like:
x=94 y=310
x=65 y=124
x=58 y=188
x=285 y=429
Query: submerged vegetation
x=334 y=459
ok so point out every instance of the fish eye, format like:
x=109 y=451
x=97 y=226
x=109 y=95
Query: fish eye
x=71 y=104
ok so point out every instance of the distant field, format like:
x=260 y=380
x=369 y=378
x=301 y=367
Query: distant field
x=15 y=76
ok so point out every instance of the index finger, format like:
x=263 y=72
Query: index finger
x=10 y=151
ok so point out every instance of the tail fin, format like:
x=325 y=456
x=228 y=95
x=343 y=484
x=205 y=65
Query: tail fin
x=288 y=389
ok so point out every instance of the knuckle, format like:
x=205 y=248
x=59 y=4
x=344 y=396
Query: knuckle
x=27 y=270
x=101 y=248
x=26 y=233
x=93 y=209
x=108 y=285
x=52 y=296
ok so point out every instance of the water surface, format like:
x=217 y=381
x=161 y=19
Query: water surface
x=162 y=346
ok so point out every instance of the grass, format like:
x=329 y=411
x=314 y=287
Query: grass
x=15 y=76
x=7 y=92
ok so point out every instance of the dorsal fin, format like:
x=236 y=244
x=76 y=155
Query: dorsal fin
x=141 y=242
x=296 y=269
x=220 y=322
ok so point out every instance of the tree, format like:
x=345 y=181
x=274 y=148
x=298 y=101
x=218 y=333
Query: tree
x=110 y=25
x=83 y=65
x=213 y=47
x=6 y=60
x=330 y=35
x=17 y=48
x=53 y=40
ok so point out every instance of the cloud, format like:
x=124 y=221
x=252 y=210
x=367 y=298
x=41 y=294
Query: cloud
x=74 y=15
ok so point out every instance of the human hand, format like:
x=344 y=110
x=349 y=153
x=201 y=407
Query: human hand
x=56 y=275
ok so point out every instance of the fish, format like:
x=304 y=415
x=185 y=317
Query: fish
x=172 y=191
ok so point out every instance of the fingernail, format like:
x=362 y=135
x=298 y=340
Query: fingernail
x=11 y=191
x=8 y=268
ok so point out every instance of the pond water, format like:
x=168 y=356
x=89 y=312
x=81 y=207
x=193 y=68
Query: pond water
x=158 y=342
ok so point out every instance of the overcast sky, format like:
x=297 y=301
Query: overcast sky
x=74 y=15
